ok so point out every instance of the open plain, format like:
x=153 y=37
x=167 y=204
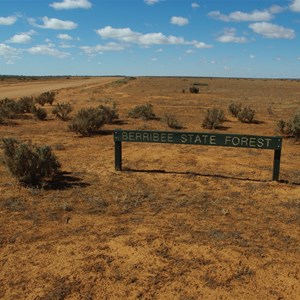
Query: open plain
x=179 y=222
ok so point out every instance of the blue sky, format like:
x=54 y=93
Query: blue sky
x=230 y=38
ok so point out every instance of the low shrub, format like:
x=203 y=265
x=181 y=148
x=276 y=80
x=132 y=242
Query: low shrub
x=144 y=112
x=291 y=127
x=213 y=118
x=194 y=90
x=110 y=113
x=87 y=121
x=9 y=108
x=26 y=104
x=171 y=121
x=62 y=111
x=246 y=115
x=46 y=97
x=235 y=108
x=40 y=113
x=28 y=163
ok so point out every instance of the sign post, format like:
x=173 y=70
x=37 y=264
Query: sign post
x=199 y=138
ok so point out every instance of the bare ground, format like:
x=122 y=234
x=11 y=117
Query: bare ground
x=180 y=222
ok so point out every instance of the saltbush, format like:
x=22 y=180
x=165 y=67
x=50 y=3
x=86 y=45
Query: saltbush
x=110 y=113
x=291 y=127
x=171 y=121
x=9 y=108
x=213 y=118
x=235 y=108
x=87 y=121
x=62 y=111
x=46 y=97
x=26 y=104
x=246 y=115
x=144 y=112
x=28 y=163
x=194 y=90
x=40 y=113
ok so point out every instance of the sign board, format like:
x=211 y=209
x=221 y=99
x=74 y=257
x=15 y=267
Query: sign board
x=199 y=138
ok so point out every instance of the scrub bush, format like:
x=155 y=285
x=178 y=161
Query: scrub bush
x=172 y=122
x=235 y=108
x=213 y=118
x=87 y=121
x=62 y=111
x=28 y=163
x=144 y=112
x=40 y=113
x=246 y=115
x=46 y=97
x=194 y=90
x=291 y=127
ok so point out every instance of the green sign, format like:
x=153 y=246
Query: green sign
x=198 y=138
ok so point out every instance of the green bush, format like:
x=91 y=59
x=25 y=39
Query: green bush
x=172 y=122
x=235 y=108
x=144 y=112
x=9 y=108
x=28 y=163
x=110 y=113
x=213 y=118
x=62 y=111
x=194 y=90
x=26 y=104
x=40 y=113
x=291 y=127
x=87 y=121
x=246 y=115
x=46 y=97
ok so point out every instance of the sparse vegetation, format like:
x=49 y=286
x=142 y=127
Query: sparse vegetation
x=246 y=115
x=110 y=113
x=40 y=113
x=88 y=120
x=213 y=119
x=26 y=104
x=171 y=121
x=194 y=90
x=291 y=127
x=46 y=97
x=28 y=163
x=235 y=108
x=144 y=112
x=62 y=111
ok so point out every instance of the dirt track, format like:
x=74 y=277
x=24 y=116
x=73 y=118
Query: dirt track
x=15 y=90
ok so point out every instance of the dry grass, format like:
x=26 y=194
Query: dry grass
x=180 y=222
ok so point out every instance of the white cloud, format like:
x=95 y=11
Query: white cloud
x=298 y=58
x=251 y=56
x=71 y=4
x=52 y=23
x=9 y=53
x=22 y=38
x=47 y=50
x=195 y=5
x=239 y=16
x=100 y=48
x=276 y=9
x=151 y=2
x=295 y=6
x=189 y=51
x=180 y=21
x=272 y=31
x=8 y=20
x=229 y=36
x=126 y=35
x=199 y=45
x=63 y=36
